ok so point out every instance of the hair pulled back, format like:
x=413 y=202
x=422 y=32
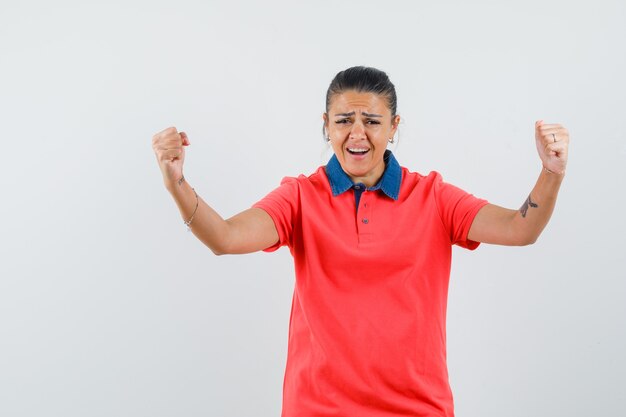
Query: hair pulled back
x=363 y=80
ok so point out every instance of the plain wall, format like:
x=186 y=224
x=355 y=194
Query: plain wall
x=108 y=307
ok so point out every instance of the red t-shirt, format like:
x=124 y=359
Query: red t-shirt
x=367 y=332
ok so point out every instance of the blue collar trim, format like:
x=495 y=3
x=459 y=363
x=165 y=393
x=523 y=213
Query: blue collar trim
x=389 y=183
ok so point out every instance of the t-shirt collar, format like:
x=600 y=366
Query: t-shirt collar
x=389 y=183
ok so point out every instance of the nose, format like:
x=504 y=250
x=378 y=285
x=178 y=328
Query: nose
x=358 y=131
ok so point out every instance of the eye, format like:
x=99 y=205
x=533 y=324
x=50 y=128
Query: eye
x=373 y=122
x=342 y=121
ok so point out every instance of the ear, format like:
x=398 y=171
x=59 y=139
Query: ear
x=394 y=123
x=325 y=126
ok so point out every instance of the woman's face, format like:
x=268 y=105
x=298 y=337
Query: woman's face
x=359 y=126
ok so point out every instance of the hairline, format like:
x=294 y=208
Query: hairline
x=386 y=97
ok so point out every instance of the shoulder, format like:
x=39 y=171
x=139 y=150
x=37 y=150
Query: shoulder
x=429 y=187
x=315 y=180
x=295 y=187
x=415 y=181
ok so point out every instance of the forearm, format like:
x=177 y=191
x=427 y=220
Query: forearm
x=502 y=226
x=207 y=225
x=533 y=216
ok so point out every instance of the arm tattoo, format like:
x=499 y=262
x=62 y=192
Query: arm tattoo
x=180 y=181
x=527 y=203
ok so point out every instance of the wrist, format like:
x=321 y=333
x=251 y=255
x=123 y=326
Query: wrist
x=174 y=185
x=550 y=172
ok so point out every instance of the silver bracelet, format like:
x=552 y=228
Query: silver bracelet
x=188 y=222
x=552 y=172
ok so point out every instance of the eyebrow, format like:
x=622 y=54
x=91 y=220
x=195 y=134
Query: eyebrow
x=364 y=114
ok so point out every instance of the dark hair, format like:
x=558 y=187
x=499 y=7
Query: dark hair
x=363 y=80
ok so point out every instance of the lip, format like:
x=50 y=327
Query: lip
x=355 y=156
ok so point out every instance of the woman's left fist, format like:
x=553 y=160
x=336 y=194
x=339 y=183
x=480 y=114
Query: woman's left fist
x=552 y=142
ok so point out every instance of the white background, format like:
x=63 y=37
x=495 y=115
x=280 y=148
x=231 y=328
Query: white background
x=108 y=307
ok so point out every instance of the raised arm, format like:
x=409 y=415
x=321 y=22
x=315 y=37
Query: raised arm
x=249 y=231
x=501 y=226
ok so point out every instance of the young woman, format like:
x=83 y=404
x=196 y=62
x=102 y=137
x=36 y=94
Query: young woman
x=371 y=243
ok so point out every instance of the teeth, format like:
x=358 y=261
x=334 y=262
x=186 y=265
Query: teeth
x=358 y=150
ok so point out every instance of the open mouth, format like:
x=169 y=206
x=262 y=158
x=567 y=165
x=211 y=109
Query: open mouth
x=358 y=151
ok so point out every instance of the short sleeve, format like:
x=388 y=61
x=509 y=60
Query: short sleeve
x=282 y=204
x=457 y=209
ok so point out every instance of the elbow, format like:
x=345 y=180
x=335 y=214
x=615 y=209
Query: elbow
x=219 y=247
x=221 y=243
x=523 y=236
x=528 y=240
x=218 y=250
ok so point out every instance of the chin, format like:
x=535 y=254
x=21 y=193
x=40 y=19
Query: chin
x=354 y=173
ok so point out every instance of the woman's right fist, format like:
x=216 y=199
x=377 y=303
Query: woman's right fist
x=168 y=146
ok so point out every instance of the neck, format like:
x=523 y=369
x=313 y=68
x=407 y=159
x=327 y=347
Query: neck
x=372 y=178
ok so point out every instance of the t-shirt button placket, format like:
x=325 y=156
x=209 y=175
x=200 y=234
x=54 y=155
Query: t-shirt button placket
x=365 y=219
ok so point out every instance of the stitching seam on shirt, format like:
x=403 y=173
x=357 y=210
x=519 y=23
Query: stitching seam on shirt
x=439 y=209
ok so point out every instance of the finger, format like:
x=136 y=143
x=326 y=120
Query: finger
x=549 y=128
x=167 y=135
x=164 y=133
x=168 y=146
x=169 y=130
x=560 y=135
x=556 y=148
x=547 y=138
x=545 y=129
x=541 y=123
x=172 y=148
x=169 y=142
x=186 y=142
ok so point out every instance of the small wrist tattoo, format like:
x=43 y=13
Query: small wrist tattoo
x=527 y=203
x=180 y=181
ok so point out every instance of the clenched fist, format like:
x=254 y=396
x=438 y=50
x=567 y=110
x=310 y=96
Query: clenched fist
x=552 y=143
x=168 y=145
